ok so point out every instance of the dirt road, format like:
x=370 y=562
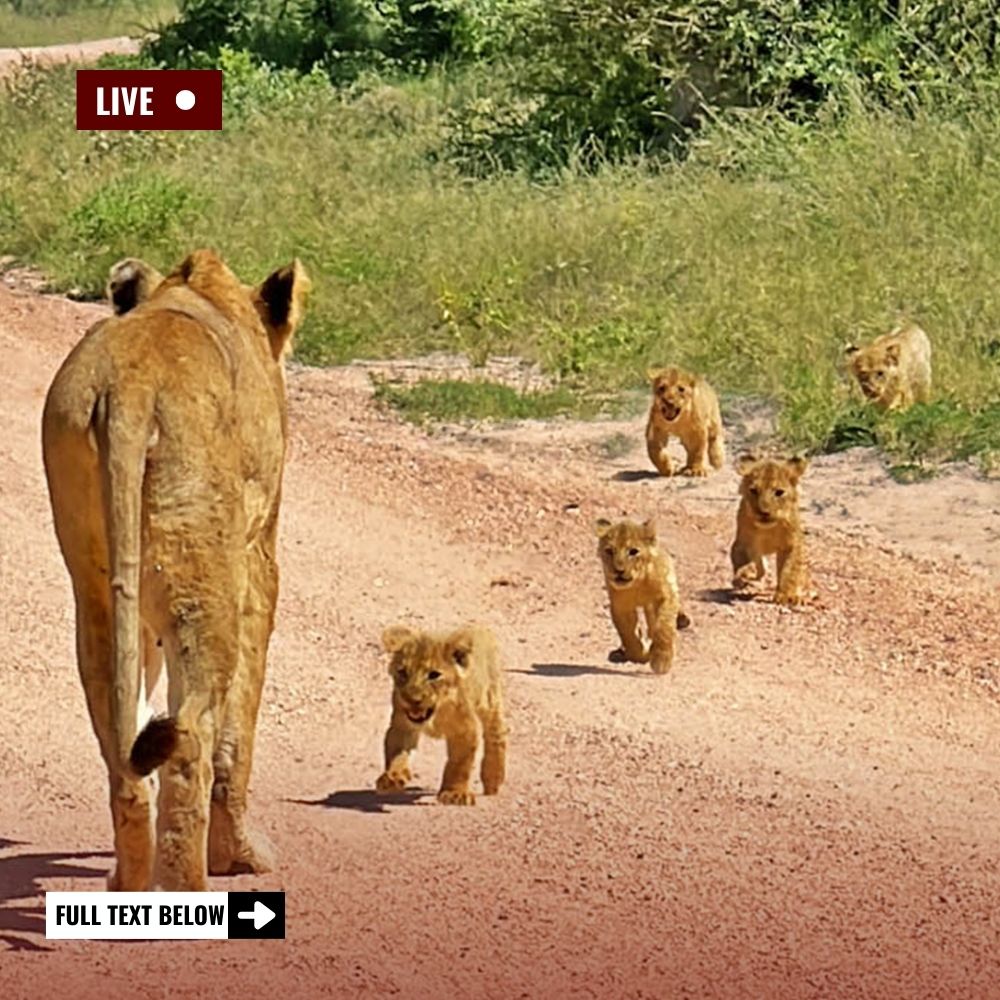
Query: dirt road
x=76 y=52
x=805 y=807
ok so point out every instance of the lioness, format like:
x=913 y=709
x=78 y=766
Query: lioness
x=685 y=406
x=894 y=370
x=164 y=441
x=447 y=686
x=639 y=574
x=768 y=523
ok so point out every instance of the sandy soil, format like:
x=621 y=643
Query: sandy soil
x=805 y=807
x=81 y=52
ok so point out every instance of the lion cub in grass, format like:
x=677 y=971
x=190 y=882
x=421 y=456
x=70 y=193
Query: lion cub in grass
x=447 y=686
x=639 y=574
x=686 y=407
x=894 y=370
x=768 y=523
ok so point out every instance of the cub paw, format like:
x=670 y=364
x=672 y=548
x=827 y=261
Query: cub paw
x=617 y=656
x=698 y=471
x=392 y=781
x=457 y=797
x=660 y=666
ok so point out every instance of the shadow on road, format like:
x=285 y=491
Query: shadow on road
x=366 y=799
x=21 y=876
x=572 y=670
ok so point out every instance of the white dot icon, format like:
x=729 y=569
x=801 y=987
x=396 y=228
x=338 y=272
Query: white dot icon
x=185 y=100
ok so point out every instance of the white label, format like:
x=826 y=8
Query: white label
x=109 y=916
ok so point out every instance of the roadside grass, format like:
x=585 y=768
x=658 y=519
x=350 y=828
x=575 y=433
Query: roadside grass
x=753 y=261
x=448 y=401
x=53 y=22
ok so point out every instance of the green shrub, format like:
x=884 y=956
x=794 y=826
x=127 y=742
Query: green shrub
x=450 y=400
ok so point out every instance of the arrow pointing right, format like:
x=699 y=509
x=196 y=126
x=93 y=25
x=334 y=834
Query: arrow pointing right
x=260 y=915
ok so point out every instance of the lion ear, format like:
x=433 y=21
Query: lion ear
x=131 y=281
x=602 y=526
x=648 y=530
x=653 y=373
x=396 y=637
x=745 y=462
x=892 y=354
x=459 y=645
x=280 y=302
x=850 y=350
x=797 y=465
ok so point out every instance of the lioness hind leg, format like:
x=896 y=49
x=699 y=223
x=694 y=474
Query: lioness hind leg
x=234 y=846
x=201 y=662
x=131 y=810
x=493 y=770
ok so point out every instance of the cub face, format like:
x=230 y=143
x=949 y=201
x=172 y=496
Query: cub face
x=876 y=369
x=427 y=671
x=625 y=549
x=769 y=487
x=673 y=391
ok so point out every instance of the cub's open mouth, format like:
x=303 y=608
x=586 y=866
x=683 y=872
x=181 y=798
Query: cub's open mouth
x=621 y=581
x=669 y=411
x=419 y=717
x=765 y=519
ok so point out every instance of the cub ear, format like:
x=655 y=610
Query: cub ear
x=797 y=465
x=648 y=530
x=459 y=645
x=396 y=637
x=850 y=350
x=280 y=302
x=745 y=462
x=130 y=281
x=653 y=373
x=602 y=526
x=892 y=354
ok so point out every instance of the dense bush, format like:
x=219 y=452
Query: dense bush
x=613 y=78
x=345 y=37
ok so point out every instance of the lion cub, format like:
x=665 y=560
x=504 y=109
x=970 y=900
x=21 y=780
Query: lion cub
x=639 y=574
x=894 y=370
x=686 y=407
x=447 y=686
x=768 y=523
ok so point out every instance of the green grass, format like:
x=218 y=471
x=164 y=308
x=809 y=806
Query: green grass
x=55 y=22
x=450 y=400
x=753 y=261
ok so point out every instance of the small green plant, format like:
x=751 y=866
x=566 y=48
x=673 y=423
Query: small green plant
x=452 y=400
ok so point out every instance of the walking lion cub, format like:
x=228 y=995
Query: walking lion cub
x=447 y=686
x=768 y=523
x=685 y=406
x=894 y=370
x=639 y=574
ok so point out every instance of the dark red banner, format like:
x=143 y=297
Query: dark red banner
x=168 y=99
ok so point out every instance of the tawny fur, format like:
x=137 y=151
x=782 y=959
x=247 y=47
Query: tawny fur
x=684 y=406
x=164 y=437
x=449 y=687
x=894 y=370
x=640 y=575
x=768 y=523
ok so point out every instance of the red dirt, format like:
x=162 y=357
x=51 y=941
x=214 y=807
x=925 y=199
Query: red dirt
x=805 y=807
